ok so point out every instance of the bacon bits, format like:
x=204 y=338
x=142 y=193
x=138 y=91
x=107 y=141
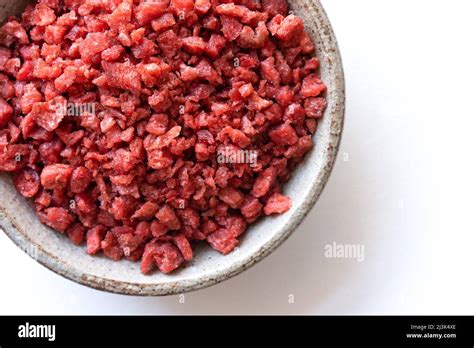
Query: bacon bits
x=142 y=128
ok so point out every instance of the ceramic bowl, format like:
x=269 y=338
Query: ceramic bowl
x=57 y=253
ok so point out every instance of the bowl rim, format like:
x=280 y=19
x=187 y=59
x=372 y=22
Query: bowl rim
x=51 y=262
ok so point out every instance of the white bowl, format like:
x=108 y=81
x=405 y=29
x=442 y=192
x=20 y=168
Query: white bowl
x=57 y=253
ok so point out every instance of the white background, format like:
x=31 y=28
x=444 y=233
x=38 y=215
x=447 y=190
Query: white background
x=405 y=191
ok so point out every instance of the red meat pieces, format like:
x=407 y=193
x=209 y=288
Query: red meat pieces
x=290 y=28
x=27 y=182
x=56 y=176
x=122 y=75
x=312 y=86
x=6 y=112
x=283 y=134
x=277 y=204
x=94 y=238
x=57 y=218
x=146 y=127
x=80 y=179
x=165 y=256
x=223 y=240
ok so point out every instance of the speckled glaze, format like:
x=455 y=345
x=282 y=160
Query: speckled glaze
x=57 y=253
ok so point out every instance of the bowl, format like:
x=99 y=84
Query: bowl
x=56 y=252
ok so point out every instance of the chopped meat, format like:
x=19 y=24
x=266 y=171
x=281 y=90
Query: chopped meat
x=56 y=176
x=142 y=127
x=232 y=197
x=274 y=7
x=283 y=134
x=122 y=75
x=57 y=218
x=76 y=233
x=165 y=256
x=80 y=179
x=6 y=113
x=277 y=204
x=312 y=86
x=264 y=182
x=290 y=28
x=27 y=182
x=146 y=211
x=223 y=240
x=231 y=27
x=94 y=238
